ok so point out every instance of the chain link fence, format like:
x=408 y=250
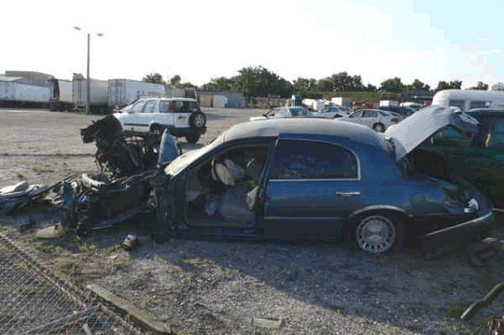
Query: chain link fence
x=33 y=300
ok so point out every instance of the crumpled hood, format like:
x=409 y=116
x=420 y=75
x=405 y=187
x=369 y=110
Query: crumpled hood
x=412 y=131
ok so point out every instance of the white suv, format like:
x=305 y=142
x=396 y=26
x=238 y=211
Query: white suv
x=181 y=116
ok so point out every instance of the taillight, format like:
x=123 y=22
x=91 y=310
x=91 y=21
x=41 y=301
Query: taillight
x=395 y=120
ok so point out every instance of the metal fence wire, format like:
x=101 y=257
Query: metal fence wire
x=33 y=300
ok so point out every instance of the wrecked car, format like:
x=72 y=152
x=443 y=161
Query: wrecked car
x=290 y=179
x=121 y=188
x=478 y=158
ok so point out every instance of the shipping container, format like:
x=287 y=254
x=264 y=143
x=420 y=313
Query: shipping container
x=220 y=101
x=123 y=92
x=205 y=101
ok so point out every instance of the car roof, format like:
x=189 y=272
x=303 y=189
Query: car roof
x=486 y=111
x=276 y=127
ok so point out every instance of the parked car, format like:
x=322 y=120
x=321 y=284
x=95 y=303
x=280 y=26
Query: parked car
x=477 y=158
x=404 y=111
x=374 y=118
x=290 y=179
x=181 y=116
x=330 y=112
x=283 y=112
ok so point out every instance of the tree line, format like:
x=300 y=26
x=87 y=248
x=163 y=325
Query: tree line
x=258 y=81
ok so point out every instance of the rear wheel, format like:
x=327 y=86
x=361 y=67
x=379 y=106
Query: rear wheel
x=379 y=127
x=192 y=138
x=378 y=233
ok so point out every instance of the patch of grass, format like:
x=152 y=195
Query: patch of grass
x=446 y=289
x=391 y=331
x=454 y=311
x=78 y=260
x=43 y=169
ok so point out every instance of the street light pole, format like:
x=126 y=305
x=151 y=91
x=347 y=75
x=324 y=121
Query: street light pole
x=88 y=79
x=88 y=95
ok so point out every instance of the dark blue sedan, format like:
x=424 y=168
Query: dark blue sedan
x=312 y=179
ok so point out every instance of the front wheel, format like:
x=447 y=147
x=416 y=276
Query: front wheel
x=377 y=233
x=192 y=138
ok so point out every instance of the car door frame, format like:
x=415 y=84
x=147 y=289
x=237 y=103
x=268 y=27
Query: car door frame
x=265 y=221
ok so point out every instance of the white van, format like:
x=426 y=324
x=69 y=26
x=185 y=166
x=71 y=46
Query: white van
x=468 y=99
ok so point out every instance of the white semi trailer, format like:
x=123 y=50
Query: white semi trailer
x=18 y=94
x=123 y=92
x=98 y=98
x=61 y=95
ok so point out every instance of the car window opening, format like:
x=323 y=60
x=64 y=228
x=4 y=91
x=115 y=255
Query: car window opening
x=222 y=191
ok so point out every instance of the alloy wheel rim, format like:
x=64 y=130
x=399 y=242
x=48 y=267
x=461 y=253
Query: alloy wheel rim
x=199 y=120
x=376 y=234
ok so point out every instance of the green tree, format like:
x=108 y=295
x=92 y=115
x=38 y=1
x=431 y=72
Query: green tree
x=392 y=85
x=303 y=84
x=175 y=80
x=221 y=84
x=480 y=86
x=454 y=84
x=155 y=78
x=342 y=82
x=260 y=82
x=417 y=85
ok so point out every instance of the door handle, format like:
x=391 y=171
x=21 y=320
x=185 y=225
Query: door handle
x=348 y=193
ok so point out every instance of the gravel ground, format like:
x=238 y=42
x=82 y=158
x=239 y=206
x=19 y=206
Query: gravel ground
x=223 y=287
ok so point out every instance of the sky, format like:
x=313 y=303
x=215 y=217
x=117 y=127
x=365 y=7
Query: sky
x=432 y=41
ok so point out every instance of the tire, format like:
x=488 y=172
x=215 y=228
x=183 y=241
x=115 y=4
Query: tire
x=377 y=233
x=192 y=138
x=156 y=130
x=197 y=120
x=379 y=127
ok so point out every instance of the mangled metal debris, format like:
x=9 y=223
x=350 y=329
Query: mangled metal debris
x=18 y=195
x=122 y=186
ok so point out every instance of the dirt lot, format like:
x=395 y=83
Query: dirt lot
x=220 y=287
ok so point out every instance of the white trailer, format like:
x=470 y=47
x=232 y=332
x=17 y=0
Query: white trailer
x=15 y=92
x=315 y=104
x=61 y=95
x=98 y=99
x=468 y=99
x=389 y=103
x=342 y=101
x=122 y=92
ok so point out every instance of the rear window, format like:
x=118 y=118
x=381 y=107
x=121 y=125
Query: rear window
x=457 y=103
x=178 y=106
x=479 y=104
